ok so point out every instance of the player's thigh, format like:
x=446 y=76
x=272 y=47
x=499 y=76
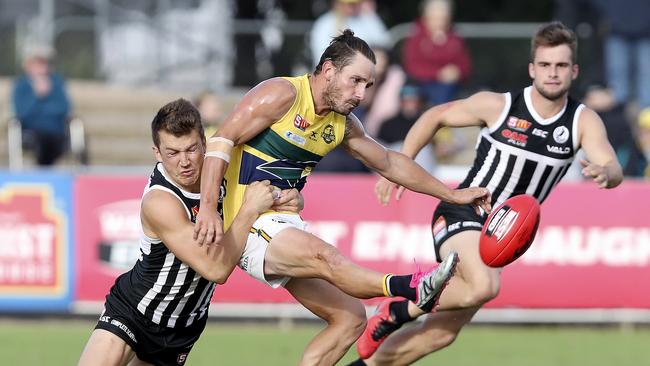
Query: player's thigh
x=471 y=267
x=297 y=253
x=105 y=348
x=326 y=301
x=138 y=362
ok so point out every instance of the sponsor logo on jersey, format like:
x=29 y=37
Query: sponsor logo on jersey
x=243 y=263
x=439 y=228
x=561 y=134
x=541 y=133
x=563 y=150
x=313 y=135
x=295 y=138
x=501 y=222
x=518 y=124
x=300 y=123
x=328 y=134
x=182 y=357
x=195 y=211
x=515 y=138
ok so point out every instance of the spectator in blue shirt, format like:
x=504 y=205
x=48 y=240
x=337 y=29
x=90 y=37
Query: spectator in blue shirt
x=42 y=106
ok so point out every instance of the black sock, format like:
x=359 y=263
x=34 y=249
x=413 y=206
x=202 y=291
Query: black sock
x=400 y=286
x=358 y=362
x=400 y=309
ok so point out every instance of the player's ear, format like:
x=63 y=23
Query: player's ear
x=156 y=153
x=328 y=69
x=531 y=70
x=574 y=71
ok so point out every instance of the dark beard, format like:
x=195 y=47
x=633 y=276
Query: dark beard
x=329 y=95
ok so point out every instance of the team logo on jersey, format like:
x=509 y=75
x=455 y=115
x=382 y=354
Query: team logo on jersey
x=515 y=138
x=195 y=211
x=328 y=134
x=561 y=134
x=300 y=123
x=518 y=124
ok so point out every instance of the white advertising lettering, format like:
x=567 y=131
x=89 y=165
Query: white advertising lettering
x=384 y=241
x=588 y=246
x=558 y=149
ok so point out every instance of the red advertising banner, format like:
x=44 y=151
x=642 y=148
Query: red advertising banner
x=35 y=245
x=107 y=228
x=592 y=248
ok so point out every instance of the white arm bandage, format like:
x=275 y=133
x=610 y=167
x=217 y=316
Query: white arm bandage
x=218 y=154
x=219 y=147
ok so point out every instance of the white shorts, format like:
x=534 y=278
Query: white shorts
x=264 y=229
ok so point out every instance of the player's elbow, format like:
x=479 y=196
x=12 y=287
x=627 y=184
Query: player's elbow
x=217 y=274
x=616 y=177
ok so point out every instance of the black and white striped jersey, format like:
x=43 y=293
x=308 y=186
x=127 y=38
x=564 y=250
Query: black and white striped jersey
x=161 y=287
x=523 y=152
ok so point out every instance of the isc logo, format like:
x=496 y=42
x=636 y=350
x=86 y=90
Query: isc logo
x=502 y=222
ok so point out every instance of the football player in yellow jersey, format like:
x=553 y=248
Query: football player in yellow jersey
x=278 y=132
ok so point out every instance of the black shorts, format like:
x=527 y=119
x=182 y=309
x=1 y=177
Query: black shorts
x=158 y=345
x=449 y=220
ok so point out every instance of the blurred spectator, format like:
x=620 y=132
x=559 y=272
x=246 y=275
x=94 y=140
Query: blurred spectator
x=619 y=131
x=209 y=105
x=42 y=106
x=358 y=15
x=368 y=102
x=627 y=49
x=583 y=17
x=644 y=136
x=393 y=131
x=434 y=56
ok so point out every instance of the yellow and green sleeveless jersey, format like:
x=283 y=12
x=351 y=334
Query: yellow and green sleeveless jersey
x=286 y=152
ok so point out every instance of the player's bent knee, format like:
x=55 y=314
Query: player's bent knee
x=480 y=295
x=328 y=258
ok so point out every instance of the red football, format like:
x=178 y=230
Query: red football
x=509 y=230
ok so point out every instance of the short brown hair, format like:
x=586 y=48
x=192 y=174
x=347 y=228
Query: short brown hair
x=554 y=34
x=342 y=50
x=179 y=118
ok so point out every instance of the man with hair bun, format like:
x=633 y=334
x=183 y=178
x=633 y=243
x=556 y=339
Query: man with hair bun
x=279 y=132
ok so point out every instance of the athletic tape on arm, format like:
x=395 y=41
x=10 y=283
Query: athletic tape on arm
x=219 y=147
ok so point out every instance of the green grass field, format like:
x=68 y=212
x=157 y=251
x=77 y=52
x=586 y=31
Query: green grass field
x=59 y=342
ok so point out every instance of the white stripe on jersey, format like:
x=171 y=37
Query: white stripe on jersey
x=521 y=156
x=173 y=291
x=181 y=304
x=514 y=178
x=575 y=133
x=201 y=304
x=485 y=168
x=160 y=281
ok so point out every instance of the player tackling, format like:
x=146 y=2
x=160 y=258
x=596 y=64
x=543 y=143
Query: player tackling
x=528 y=140
x=280 y=131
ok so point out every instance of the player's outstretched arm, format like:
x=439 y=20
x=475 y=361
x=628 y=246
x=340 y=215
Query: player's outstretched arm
x=402 y=170
x=260 y=108
x=602 y=165
x=164 y=217
x=480 y=109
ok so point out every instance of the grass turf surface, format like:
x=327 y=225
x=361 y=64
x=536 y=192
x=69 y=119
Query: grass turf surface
x=59 y=342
